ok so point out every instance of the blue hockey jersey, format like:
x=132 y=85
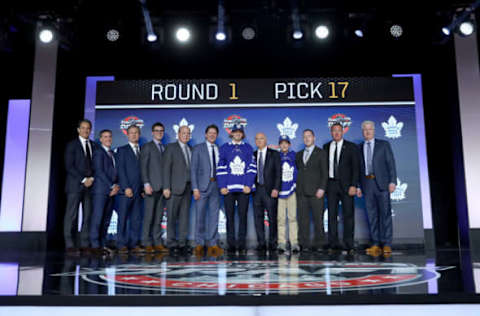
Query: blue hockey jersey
x=289 y=174
x=236 y=167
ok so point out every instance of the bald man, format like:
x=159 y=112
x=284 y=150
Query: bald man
x=268 y=183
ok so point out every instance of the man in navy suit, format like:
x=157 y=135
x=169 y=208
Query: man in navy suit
x=130 y=198
x=78 y=164
x=378 y=176
x=206 y=193
x=105 y=188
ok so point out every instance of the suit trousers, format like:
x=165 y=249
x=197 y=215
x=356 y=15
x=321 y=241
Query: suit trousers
x=379 y=212
x=178 y=211
x=335 y=194
x=305 y=205
x=71 y=218
x=263 y=201
x=207 y=207
x=152 y=219
x=287 y=216
x=242 y=207
x=101 y=215
x=129 y=227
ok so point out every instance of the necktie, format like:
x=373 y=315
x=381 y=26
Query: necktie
x=89 y=159
x=369 y=159
x=161 y=148
x=214 y=163
x=187 y=156
x=335 y=162
x=260 y=168
x=87 y=149
x=136 y=151
x=305 y=155
x=110 y=153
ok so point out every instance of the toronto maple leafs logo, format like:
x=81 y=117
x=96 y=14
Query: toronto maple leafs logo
x=237 y=166
x=288 y=128
x=399 y=193
x=183 y=122
x=393 y=129
x=287 y=172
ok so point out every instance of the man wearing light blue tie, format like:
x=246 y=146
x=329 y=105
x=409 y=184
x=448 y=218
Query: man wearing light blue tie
x=205 y=158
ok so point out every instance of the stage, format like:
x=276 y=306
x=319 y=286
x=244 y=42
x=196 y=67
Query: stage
x=315 y=279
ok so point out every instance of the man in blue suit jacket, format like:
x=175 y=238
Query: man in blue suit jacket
x=105 y=188
x=130 y=198
x=206 y=192
x=378 y=177
x=78 y=164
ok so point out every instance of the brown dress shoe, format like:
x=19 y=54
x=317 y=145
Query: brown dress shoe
x=160 y=248
x=123 y=250
x=149 y=249
x=138 y=249
x=216 y=251
x=387 y=249
x=199 y=251
x=374 y=251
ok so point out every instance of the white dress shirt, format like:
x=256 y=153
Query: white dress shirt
x=309 y=150
x=133 y=147
x=107 y=149
x=365 y=148
x=332 y=154
x=82 y=141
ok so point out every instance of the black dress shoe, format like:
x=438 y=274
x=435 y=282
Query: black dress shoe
x=272 y=248
x=351 y=251
x=261 y=248
x=231 y=250
x=242 y=251
x=305 y=249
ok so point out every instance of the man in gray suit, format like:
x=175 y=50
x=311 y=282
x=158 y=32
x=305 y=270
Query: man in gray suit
x=151 y=169
x=378 y=178
x=311 y=185
x=206 y=192
x=177 y=189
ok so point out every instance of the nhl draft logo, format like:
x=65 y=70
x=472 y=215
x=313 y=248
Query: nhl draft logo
x=342 y=119
x=393 y=129
x=233 y=120
x=130 y=120
x=399 y=193
x=183 y=122
x=287 y=128
x=250 y=276
x=287 y=172
x=237 y=166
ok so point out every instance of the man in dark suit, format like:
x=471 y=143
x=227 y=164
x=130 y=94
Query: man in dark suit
x=130 y=199
x=205 y=157
x=152 y=178
x=268 y=183
x=378 y=177
x=311 y=185
x=105 y=188
x=78 y=164
x=177 y=189
x=343 y=168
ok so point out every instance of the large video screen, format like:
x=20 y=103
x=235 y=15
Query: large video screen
x=284 y=107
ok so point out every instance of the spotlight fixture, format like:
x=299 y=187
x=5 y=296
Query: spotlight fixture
x=183 y=34
x=359 y=33
x=152 y=38
x=220 y=36
x=297 y=35
x=396 y=30
x=113 y=35
x=46 y=35
x=248 y=33
x=322 y=31
x=446 y=30
x=466 y=28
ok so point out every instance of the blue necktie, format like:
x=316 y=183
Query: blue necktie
x=214 y=163
x=369 y=159
x=260 y=168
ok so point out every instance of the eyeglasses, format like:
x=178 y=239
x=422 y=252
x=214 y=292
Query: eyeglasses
x=159 y=130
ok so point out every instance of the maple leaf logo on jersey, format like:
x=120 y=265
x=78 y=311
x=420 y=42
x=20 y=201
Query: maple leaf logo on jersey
x=183 y=122
x=393 y=129
x=288 y=128
x=399 y=193
x=287 y=172
x=237 y=166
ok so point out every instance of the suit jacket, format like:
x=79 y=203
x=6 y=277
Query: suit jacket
x=76 y=165
x=272 y=171
x=201 y=168
x=151 y=165
x=129 y=175
x=348 y=164
x=104 y=171
x=175 y=171
x=314 y=174
x=383 y=164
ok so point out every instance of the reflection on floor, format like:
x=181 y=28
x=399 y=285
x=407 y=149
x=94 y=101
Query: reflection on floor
x=402 y=273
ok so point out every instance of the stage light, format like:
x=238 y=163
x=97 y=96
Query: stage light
x=322 y=31
x=297 y=35
x=396 y=30
x=113 y=35
x=46 y=36
x=220 y=36
x=152 y=38
x=466 y=28
x=446 y=30
x=183 y=35
x=248 y=33
x=359 y=33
